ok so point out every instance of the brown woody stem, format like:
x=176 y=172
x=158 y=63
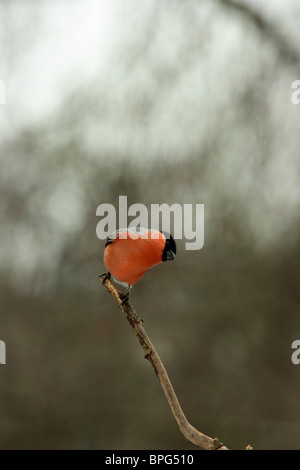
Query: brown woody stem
x=190 y=433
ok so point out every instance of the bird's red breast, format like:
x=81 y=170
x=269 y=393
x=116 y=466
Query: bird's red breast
x=128 y=256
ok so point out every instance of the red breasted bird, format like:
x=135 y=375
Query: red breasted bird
x=130 y=253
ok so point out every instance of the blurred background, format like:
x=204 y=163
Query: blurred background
x=162 y=101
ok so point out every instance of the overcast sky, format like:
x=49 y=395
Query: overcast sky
x=74 y=40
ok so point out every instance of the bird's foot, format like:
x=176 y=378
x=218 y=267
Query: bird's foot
x=106 y=276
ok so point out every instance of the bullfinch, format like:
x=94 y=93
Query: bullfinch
x=130 y=253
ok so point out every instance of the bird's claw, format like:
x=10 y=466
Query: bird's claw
x=106 y=276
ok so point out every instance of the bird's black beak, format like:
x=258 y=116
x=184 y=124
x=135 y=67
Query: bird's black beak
x=169 y=252
x=170 y=255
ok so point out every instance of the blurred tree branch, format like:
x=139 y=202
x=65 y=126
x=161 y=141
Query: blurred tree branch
x=287 y=50
x=190 y=433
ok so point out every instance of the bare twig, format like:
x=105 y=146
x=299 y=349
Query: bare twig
x=190 y=433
